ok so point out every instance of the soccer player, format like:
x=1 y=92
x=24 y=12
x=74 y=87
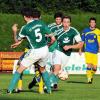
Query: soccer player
x=65 y=39
x=54 y=27
x=91 y=38
x=34 y=31
x=37 y=78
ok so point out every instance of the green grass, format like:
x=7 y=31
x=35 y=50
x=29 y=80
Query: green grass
x=79 y=21
x=75 y=88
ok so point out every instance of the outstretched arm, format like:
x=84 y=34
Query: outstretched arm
x=52 y=38
x=15 y=31
x=79 y=45
x=16 y=44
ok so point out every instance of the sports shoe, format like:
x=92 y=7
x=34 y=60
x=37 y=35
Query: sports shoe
x=32 y=83
x=17 y=91
x=55 y=87
x=90 y=80
x=9 y=92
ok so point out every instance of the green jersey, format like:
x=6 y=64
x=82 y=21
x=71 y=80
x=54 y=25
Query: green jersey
x=67 y=37
x=35 y=32
x=54 y=29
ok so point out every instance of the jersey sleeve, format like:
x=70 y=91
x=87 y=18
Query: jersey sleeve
x=22 y=33
x=83 y=37
x=98 y=36
x=77 y=36
x=46 y=29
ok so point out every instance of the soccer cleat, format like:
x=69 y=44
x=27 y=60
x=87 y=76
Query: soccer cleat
x=49 y=91
x=17 y=91
x=90 y=80
x=9 y=92
x=41 y=92
x=32 y=83
x=45 y=89
x=55 y=87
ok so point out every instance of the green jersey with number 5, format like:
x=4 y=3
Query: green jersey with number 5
x=35 y=32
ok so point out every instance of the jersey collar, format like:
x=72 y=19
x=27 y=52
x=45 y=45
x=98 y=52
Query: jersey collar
x=67 y=29
x=30 y=21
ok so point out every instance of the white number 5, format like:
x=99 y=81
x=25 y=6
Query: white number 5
x=38 y=35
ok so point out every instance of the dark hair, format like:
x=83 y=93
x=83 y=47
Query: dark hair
x=92 y=18
x=36 y=13
x=58 y=14
x=67 y=17
x=27 y=12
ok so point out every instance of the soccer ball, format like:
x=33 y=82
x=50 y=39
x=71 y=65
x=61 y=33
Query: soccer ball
x=63 y=75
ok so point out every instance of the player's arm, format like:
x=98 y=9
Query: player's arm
x=16 y=44
x=18 y=37
x=50 y=35
x=98 y=37
x=79 y=44
x=83 y=39
x=52 y=39
x=15 y=31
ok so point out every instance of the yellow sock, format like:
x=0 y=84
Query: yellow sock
x=41 y=90
x=20 y=84
x=89 y=74
x=93 y=72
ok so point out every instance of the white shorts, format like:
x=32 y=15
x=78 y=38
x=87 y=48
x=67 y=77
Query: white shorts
x=50 y=58
x=34 y=55
x=60 y=58
x=49 y=62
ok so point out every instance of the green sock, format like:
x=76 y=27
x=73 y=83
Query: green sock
x=46 y=79
x=14 y=81
x=53 y=79
x=21 y=76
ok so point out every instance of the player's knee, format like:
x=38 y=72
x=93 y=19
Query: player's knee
x=21 y=68
x=94 y=69
x=42 y=69
x=57 y=68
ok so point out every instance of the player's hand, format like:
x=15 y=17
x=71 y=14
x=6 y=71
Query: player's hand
x=66 y=48
x=15 y=28
x=99 y=50
x=80 y=53
x=15 y=44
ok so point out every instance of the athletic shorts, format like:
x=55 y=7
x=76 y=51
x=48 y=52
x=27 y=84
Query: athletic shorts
x=60 y=58
x=34 y=55
x=91 y=58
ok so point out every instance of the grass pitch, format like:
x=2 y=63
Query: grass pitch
x=75 y=88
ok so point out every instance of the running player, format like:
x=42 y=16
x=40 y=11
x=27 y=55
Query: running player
x=91 y=39
x=54 y=27
x=34 y=31
x=37 y=78
x=65 y=39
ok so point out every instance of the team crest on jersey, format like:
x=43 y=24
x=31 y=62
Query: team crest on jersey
x=66 y=40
